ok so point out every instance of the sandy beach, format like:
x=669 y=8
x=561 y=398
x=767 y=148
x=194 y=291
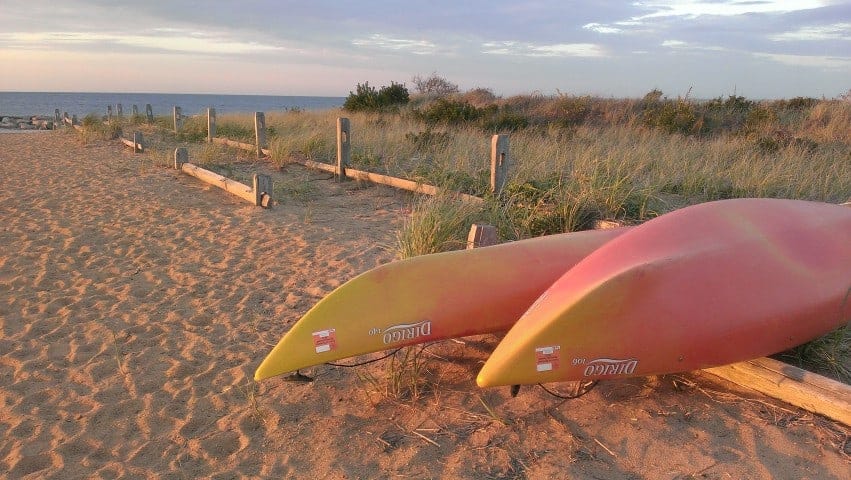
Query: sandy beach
x=136 y=302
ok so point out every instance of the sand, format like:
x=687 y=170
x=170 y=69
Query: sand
x=136 y=302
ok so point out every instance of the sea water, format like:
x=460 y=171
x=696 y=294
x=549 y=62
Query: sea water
x=23 y=104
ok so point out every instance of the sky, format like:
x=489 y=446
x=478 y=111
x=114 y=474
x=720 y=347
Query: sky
x=702 y=49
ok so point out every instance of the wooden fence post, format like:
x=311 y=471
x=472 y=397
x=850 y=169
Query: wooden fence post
x=260 y=132
x=211 y=124
x=109 y=114
x=181 y=156
x=149 y=112
x=499 y=162
x=344 y=147
x=74 y=120
x=178 y=119
x=119 y=111
x=56 y=119
x=262 y=190
x=135 y=110
x=64 y=118
x=481 y=235
x=137 y=142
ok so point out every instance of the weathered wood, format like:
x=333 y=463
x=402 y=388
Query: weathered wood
x=56 y=119
x=109 y=114
x=119 y=110
x=499 y=162
x=380 y=179
x=181 y=156
x=409 y=185
x=791 y=384
x=178 y=119
x=259 y=195
x=211 y=124
x=136 y=143
x=607 y=224
x=344 y=147
x=262 y=186
x=135 y=110
x=149 y=113
x=259 y=132
x=482 y=235
x=233 y=143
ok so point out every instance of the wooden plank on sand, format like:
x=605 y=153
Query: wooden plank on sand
x=233 y=143
x=791 y=384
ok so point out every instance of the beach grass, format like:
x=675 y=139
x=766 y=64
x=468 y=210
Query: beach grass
x=574 y=160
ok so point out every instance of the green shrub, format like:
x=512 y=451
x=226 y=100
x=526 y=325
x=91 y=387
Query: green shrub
x=368 y=99
x=448 y=112
x=672 y=116
x=428 y=139
x=505 y=121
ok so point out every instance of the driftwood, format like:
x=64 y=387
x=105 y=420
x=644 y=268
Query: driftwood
x=136 y=144
x=259 y=194
x=791 y=384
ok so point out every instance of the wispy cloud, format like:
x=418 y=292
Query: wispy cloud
x=162 y=40
x=600 y=28
x=681 y=45
x=377 y=40
x=836 y=31
x=817 y=61
x=724 y=8
x=551 y=50
x=660 y=10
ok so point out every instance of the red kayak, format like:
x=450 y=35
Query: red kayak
x=707 y=285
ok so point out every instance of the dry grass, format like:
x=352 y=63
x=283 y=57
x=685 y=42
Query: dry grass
x=574 y=160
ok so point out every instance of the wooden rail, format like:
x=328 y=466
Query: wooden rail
x=233 y=143
x=791 y=384
x=259 y=194
x=136 y=144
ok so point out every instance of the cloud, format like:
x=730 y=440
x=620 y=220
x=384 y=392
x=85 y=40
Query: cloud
x=659 y=13
x=725 y=8
x=681 y=45
x=377 y=40
x=836 y=31
x=161 y=40
x=600 y=28
x=816 y=61
x=552 y=50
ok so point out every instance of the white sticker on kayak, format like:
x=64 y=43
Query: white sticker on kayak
x=547 y=358
x=325 y=340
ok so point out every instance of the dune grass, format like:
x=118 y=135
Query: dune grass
x=576 y=160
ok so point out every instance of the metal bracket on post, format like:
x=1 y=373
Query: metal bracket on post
x=482 y=235
x=499 y=162
x=211 y=124
x=178 y=119
x=263 y=190
x=138 y=146
x=181 y=156
x=260 y=132
x=344 y=147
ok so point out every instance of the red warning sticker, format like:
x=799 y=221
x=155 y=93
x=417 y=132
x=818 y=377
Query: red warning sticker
x=325 y=340
x=547 y=358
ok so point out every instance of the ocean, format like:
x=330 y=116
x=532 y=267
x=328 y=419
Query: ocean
x=23 y=104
